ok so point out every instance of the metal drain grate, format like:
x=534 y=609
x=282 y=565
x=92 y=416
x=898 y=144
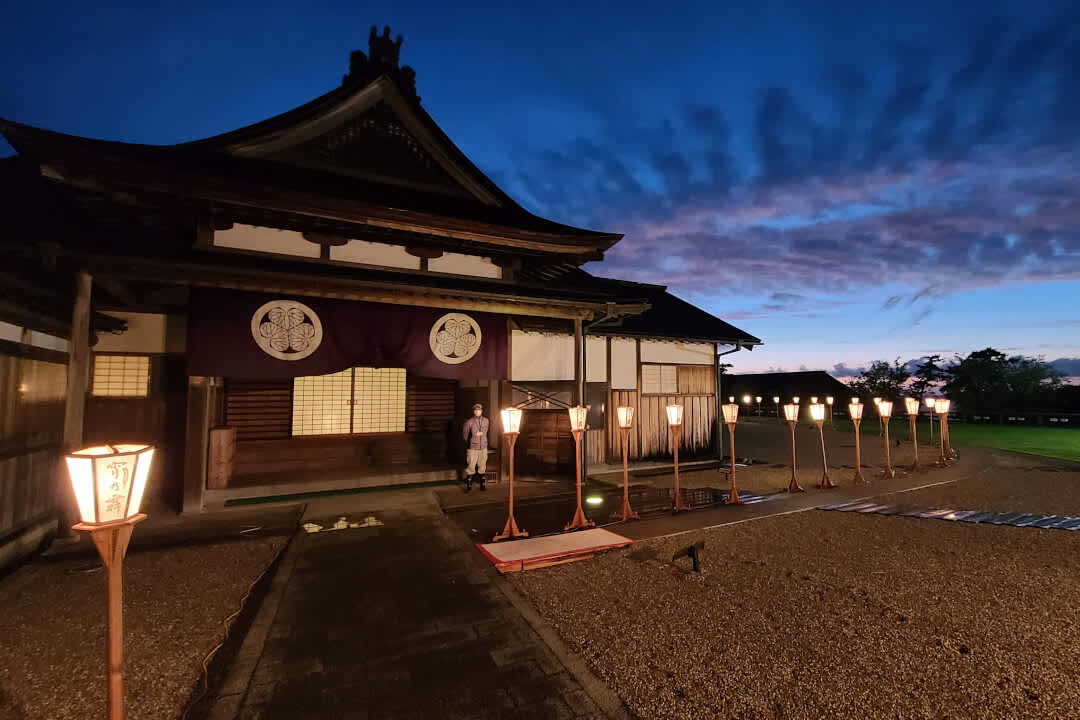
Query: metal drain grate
x=1016 y=519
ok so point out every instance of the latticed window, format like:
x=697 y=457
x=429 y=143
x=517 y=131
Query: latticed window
x=121 y=376
x=659 y=379
x=378 y=400
x=357 y=400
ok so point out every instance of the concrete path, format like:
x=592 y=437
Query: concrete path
x=399 y=621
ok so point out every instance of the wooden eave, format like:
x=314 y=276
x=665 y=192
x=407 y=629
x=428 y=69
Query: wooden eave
x=514 y=300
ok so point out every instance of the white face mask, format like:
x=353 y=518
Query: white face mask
x=477 y=413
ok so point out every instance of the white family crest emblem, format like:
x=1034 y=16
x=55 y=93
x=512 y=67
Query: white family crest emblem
x=455 y=338
x=286 y=329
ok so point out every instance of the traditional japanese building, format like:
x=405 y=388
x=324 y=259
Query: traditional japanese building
x=313 y=302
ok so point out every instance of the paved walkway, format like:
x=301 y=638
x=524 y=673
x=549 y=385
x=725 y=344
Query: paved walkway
x=399 y=621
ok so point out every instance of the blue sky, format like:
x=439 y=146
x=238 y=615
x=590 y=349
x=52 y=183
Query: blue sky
x=846 y=182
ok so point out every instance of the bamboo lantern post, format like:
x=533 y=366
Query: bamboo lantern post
x=511 y=422
x=675 y=421
x=731 y=416
x=912 y=407
x=829 y=401
x=108 y=481
x=791 y=413
x=881 y=424
x=577 y=428
x=884 y=413
x=817 y=413
x=626 y=421
x=950 y=452
x=757 y=399
x=855 y=410
x=930 y=406
x=776 y=403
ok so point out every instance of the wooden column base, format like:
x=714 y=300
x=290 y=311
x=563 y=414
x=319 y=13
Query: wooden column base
x=510 y=531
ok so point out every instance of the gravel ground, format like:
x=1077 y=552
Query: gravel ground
x=52 y=656
x=835 y=615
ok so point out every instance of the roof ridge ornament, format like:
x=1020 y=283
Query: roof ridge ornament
x=381 y=59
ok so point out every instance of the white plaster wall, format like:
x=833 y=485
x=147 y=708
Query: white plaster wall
x=49 y=342
x=541 y=357
x=677 y=353
x=458 y=264
x=9 y=332
x=623 y=364
x=596 y=360
x=370 y=253
x=265 y=239
x=147 y=333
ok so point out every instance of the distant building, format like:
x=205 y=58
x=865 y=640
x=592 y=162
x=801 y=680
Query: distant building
x=803 y=385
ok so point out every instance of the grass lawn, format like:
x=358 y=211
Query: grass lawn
x=1046 y=441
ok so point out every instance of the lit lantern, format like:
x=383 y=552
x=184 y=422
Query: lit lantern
x=577 y=427
x=731 y=413
x=577 y=418
x=829 y=400
x=746 y=399
x=813 y=400
x=912 y=406
x=776 y=399
x=884 y=413
x=675 y=420
x=817 y=414
x=731 y=416
x=109 y=481
x=511 y=420
x=795 y=399
x=855 y=410
x=791 y=414
x=625 y=415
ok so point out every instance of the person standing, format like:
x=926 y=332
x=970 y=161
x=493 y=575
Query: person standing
x=475 y=434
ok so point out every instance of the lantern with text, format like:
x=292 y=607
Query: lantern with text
x=108 y=482
x=626 y=421
x=675 y=418
x=884 y=413
x=817 y=414
x=731 y=416
x=791 y=413
x=511 y=422
x=855 y=410
x=578 y=416
x=912 y=406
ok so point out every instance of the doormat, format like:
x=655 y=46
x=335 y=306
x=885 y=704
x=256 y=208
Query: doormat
x=531 y=553
x=1015 y=519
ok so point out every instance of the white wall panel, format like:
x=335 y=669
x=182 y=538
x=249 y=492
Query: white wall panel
x=264 y=239
x=596 y=360
x=623 y=364
x=369 y=253
x=458 y=264
x=677 y=353
x=147 y=333
x=541 y=357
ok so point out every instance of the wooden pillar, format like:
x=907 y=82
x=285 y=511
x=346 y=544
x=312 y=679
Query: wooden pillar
x=718 y=426
x=78 y=372
x=579 y=370
x=200 y=408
